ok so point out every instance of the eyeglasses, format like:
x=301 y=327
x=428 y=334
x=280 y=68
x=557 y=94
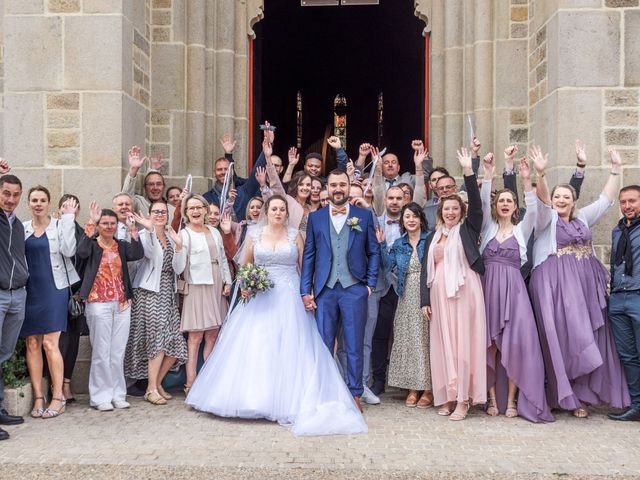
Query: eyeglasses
x=154 y=184
x=193 y=209
x=159 y=212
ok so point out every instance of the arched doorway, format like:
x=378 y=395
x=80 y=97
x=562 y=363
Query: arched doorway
x=356 y=51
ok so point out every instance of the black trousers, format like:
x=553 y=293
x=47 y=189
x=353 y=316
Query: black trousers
x=381 y=336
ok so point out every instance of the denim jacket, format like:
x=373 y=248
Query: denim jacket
x=400 y=255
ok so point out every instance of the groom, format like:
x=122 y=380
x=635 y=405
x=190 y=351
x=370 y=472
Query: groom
x=339 y=271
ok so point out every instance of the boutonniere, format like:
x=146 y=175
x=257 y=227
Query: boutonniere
x=354 y=223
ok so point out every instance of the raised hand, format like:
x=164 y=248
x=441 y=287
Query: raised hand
x=176 y=237
x=94 y=212
x=228 y=143
x=294 y=156
x=135 y=160
x=364 y=150
x=475 y=146
x=350 y=169
x=267 y=149
x=334 y=142
x=464 y=158
x=380 y=233
x=538 y=160
x=509 y=155
x=524 y=169
x=4 y=166
x=225 y=223
x=614 y=155
x=419 y=154
x=231 y=196
x=261 y=176
x=417 y=145
x=489 y=164
x=70 y=206
x=581 y=154
x=269 y=135
x=155 y=162
x=146 y=222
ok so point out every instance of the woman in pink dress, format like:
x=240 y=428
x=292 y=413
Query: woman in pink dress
x=451 y=298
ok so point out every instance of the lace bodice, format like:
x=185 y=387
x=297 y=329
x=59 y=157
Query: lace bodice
x=282 y=263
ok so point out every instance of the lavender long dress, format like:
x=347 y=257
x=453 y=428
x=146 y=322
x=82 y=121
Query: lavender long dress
x=569 y=296
x=511 y=325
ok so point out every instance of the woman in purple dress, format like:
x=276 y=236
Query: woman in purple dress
x=569 y=293
x=514 y=358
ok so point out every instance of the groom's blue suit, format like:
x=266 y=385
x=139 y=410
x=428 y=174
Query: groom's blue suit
x=338 y=304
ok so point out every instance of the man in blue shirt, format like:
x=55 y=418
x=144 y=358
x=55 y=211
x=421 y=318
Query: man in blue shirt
x=624 y=302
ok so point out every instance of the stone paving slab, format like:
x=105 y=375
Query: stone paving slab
x=173 y=441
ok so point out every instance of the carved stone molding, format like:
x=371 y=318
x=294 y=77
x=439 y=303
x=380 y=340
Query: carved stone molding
x=423 y=12
x=255 y=13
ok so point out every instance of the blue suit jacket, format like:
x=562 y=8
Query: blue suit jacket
x=364 y=251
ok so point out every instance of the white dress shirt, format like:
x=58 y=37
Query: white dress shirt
x=340 y=219
x=391 y=231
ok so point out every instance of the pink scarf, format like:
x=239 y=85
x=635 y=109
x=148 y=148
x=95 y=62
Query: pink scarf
x=454 y=261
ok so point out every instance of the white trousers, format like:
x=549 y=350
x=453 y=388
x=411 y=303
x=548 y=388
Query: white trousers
x=108 y=332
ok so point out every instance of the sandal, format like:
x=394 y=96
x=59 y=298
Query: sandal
x=164 y=394
x=581 y=412
x=426 y=400
x=492 y=407
x=70 y=399
x=512 y=410
x=53 y=412
x=412 y=399
x=155 y=398
x=456 y=416
x=445 y=410
x=37 y=412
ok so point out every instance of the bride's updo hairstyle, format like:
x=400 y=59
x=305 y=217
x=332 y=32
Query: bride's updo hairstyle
x=270 y=200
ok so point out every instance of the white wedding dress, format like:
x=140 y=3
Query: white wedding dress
x=270 y=361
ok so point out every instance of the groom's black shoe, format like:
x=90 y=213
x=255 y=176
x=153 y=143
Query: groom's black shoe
x=631 y=415
x=6 y=419
x=377 y=388
x=4 y=435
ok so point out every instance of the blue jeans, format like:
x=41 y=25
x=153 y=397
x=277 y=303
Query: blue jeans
x=624 y=314
x=12 y=304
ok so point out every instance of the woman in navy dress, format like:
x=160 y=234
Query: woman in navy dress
x=49 y=246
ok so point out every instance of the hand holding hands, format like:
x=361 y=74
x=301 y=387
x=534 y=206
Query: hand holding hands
x=309 y=302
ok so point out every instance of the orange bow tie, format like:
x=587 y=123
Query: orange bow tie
x=339 y=211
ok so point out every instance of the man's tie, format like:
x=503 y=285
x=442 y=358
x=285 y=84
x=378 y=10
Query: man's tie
x=391 y=222
x=390 y=181
x=339 y=211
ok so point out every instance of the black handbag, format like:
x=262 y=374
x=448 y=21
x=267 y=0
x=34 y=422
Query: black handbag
x=75 y=306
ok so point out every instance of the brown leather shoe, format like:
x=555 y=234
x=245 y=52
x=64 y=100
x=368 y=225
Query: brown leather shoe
x=356 y=398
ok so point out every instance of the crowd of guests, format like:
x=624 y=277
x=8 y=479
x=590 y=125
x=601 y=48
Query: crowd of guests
x=482 y=298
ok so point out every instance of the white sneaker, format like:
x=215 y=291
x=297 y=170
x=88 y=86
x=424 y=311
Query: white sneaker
x=104 y=407
x=369 y=397
x=121 y=404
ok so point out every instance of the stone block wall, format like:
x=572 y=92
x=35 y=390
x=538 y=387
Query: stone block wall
x=76 y=92
x=584 y=83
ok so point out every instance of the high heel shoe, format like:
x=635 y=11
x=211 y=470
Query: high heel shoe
x=69 y=399
x=492 y=408
x=512 y=410
x=52 y=412
x=456 y=416
x=37 y=412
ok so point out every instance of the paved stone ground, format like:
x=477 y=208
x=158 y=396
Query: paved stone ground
x=175 y=442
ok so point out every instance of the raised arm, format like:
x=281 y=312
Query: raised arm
x=419 y=155
x=539 y=162
x=485 y=191
x=67 y=228
x=529 y=221
x=474 y=213
x=294 y=158
x=612 y=186
x=377 y=184
x=274 y=180
x=341 y=155
x=578 y=175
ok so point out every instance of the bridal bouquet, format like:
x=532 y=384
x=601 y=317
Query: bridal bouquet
x=253 y=278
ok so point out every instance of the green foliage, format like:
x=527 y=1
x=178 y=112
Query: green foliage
x=15 y=369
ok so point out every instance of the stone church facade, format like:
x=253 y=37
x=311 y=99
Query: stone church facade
x=86 y=79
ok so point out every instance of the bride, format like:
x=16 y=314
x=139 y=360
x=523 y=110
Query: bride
x=270 y=361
